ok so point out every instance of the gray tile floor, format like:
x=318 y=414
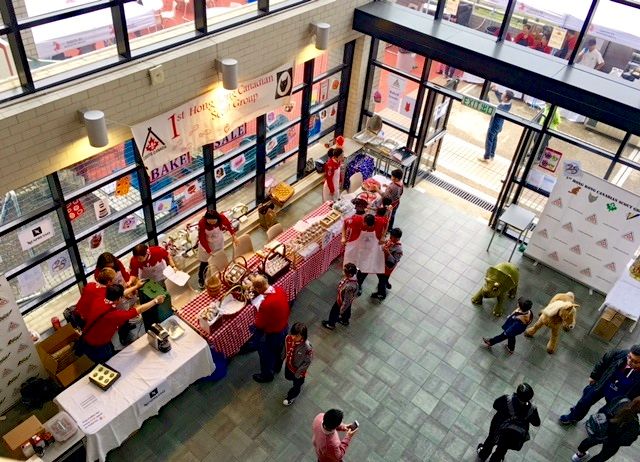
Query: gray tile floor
x=411 y=369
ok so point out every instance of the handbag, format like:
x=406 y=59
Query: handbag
x=72 y=317
x=79 y=346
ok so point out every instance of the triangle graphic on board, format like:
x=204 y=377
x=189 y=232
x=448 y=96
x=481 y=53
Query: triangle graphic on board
x=586 y=272
x=611 y=266
x=6 y=372
x=568 y=227
x=544 y=233
x=554 y=256
x=592 y=219
x=603 y=243
x=629 y=236
x=558 y=202
x=631 y=216
x=576 y=249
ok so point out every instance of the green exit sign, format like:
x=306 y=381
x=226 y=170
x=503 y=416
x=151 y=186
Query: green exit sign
x=479 y=105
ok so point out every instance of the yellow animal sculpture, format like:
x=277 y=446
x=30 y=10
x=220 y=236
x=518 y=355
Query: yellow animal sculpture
x=560 y=312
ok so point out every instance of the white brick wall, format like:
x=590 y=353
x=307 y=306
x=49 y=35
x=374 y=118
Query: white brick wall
x=42 y=133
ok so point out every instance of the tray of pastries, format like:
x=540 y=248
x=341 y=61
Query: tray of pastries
x=103 y=376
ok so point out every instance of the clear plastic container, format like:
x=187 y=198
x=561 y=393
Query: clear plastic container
x=61 y=426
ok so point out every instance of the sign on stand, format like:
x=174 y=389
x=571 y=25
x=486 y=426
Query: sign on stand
x=479 y=105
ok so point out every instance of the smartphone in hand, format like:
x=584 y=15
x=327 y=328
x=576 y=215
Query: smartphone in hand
x=354 y=425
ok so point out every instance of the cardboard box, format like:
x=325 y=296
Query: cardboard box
x=58 y=358
x=608 y=324
x=21 y=434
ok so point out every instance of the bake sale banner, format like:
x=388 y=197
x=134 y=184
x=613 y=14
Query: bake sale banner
x=589 y=229
x=18 y=357
x=166 y=141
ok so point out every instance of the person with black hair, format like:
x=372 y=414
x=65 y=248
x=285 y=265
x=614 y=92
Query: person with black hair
x=297 y=359
x=332 y=173
x=496 y=124
x=590 y=56
x=149 y=262
x=103 y=320
x=346 y=293
x=392 y=250
x=325 y=439
x=211 y=239
x=393 y=192
x=509 y=428
x=616 y=375
x=515 y=325
x=109 y=260
x=622 y=429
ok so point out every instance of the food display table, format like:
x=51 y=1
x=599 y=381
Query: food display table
x=231 y=332
x=149 y=380
x=623 y=297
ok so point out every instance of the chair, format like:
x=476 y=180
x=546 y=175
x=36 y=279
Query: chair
x=355 y=182
x=370 y=133
x=170 y=15
x=180 y=296
x=218 y=261
x=243 y=247
x=274 y=231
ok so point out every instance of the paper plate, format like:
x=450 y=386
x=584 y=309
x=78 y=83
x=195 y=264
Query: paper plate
x=230 y=305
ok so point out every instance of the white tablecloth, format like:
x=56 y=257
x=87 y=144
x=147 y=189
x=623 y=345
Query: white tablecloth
x=624 y=295
x=150 y=379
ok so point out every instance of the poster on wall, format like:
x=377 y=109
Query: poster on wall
x=550 y=159
x=397 y=87
x=36 y=233
x=19 y=360
x=163 y=141
x=589 y=230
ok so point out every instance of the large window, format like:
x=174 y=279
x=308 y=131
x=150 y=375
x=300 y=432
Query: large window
x=53 y=230
x=94 y=35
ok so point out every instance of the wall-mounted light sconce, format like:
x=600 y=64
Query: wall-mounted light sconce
x=96 y=125
x=321 y=31
x=228 y=67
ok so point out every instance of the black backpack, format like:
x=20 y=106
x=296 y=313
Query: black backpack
x=513 y=432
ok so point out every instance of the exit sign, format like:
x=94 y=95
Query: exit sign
x=479 y=105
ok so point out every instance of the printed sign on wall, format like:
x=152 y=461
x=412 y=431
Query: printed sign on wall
x=18 y=357
x=36 y=234
x=164 y=140
x=589 y=230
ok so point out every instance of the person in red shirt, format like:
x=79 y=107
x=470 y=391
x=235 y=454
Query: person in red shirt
x=542 y=44
x=108 y=260
x=104 y=320
x=325 y=439
x=380 y=227
x=211 y=239
x=346 y=294
x=332 y=172
x=525 y=38
x=298 y=355
x=569 y=45
x=94 y=291
x=271 y=327
x=148 y=262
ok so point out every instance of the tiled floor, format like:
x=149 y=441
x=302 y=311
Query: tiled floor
x=411 y=369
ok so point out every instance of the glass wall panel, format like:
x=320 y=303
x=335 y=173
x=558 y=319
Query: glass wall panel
x=179 y=202
x=626 y=177
x=155 y=21
x=92 y=208
x=326 y=89
x=115 y=238
x=246 y=194
x=39 y=320
x=446 y=76
x=68 y=44
x=26 y=199
x=589 y=130
x=194 y=164
x=42 y=278
x=29 y=241
x=393 y=98
x=97 y=167
x=8 y=75
x=226 y=10
x=482 y=15
x=232 y=173
x=612 y=43
x=632 y=150
x=284 y=171
x=522 y=105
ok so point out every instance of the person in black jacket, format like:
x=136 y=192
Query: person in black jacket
x=623 y=429
x=516 y=410
x=616 y=375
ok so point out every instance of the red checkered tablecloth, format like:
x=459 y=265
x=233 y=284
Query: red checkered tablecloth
x=231 y=332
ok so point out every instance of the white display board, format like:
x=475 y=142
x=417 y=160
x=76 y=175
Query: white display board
x=588 y=230
x=18 y=357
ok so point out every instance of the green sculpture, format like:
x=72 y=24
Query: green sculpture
x=500 y=281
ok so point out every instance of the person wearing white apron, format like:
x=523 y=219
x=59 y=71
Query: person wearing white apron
x=332 y=173
x=211 y=239
x=363 y=248
x=149 y=262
